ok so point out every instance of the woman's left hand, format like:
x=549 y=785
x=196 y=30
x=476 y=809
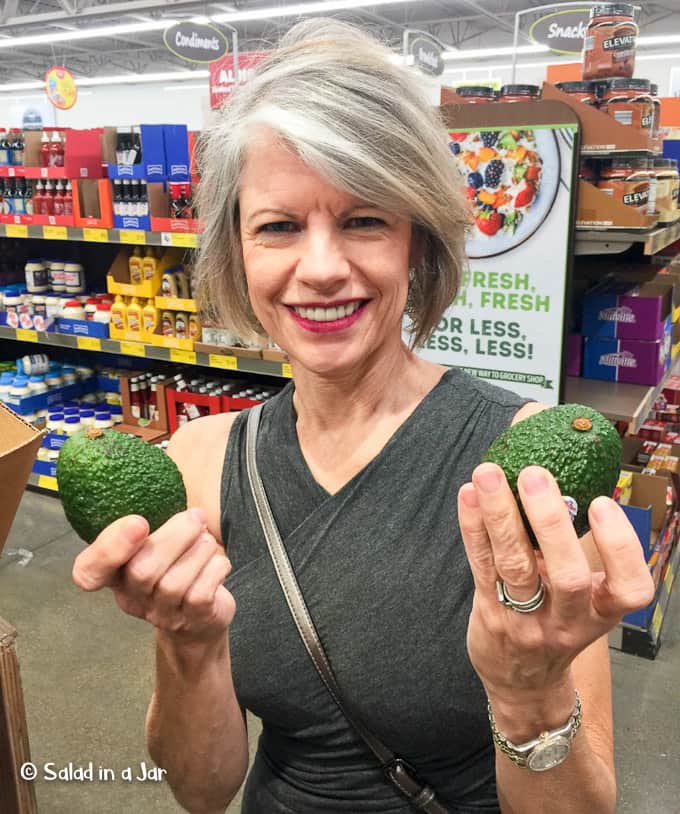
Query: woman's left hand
x=513 y=652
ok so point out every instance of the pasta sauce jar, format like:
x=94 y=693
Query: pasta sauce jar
x=609 y=45
x=519 y=93
x=580 y=91
x=627 y=181
x=629 y=102
x=477 y=93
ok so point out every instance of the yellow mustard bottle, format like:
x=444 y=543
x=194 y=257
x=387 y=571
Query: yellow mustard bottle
x=195 y=328
x=134 y=317
x=135 y=266
x=119 y=313
x=150 y=317
x=149 y=264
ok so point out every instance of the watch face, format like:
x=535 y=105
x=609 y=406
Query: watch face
x=548 y=754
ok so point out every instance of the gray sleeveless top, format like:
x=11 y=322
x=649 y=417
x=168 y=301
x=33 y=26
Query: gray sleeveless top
x=383 y=570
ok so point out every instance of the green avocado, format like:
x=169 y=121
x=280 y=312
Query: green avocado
x=104 y=474
x=578 y=445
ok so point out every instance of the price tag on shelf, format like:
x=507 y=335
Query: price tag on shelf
x=16 y=230
x=48 y=482
x=133 y=349
x=185 y=240
x=657 y=619
x=55 y=233
x=286 y=370
x=89 y=343
x=11 y=172
x=95 y=235
x=24 y=335
x=223 y=361
x=668 y=579
x=136 y=236
x=184 y=357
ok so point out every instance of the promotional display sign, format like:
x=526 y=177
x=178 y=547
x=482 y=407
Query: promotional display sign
x=60 y=87
x=223 y=78
x=562 y=31
x=425 y=50
x=195 y=42
x=507 y=323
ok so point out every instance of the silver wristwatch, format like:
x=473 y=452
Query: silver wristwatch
x=546 y=751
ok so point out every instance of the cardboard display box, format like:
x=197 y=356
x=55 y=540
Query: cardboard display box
x=93 y=204
x=19 y=443
x=631 y=361
x=624 y=310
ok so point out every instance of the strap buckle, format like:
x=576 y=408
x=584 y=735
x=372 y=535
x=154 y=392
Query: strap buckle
x=405 y=777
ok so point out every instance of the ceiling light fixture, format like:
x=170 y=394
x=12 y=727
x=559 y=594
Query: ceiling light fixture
x=85 y=33
x=473 y=53
x=298 y=9
x=123 y=79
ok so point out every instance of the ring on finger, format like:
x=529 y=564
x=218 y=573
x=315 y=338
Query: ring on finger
x=526 y=606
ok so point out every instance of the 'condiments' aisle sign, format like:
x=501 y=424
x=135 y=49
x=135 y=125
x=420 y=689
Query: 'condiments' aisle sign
x=507 y=324
x=195 y=42
x=223 y=78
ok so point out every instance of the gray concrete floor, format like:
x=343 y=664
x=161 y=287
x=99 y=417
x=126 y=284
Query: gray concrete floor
x=87 y=676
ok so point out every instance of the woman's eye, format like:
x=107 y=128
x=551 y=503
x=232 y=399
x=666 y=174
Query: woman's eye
x=277 y=227
x=364 y=222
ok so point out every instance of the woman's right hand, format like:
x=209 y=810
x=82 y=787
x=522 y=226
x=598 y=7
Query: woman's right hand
x=172 y=578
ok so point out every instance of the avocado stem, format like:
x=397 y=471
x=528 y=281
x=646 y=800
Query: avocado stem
x=94 y=432
x=582 y=424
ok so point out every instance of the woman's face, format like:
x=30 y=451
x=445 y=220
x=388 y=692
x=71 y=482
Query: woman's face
x=327 y=273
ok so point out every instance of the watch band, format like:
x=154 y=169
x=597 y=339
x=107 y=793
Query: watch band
x=520 y=754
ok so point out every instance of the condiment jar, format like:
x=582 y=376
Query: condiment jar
x=37 y=279
x=666 y=189
x=102 y=419
x=36 y=384
x=584 y=92
x=627 y=180
x=90 y=307
x=56 y=275
x=117 y=413
x=74 y=278
x=103 y=313
x=5 y=385
x=73 y=309
x=69 y=374
x=53 y=379
x=609 y=45
x=55 y=423
x=19 y=388
x=12 y=303
x=35 y=364
x=629 y=102
x=71 y=424
x=477 y=93
x=519 y=93
x=87 y=418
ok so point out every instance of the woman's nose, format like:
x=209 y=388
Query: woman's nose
x=323 y=263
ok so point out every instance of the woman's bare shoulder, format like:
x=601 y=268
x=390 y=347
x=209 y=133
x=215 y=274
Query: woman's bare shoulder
x=198 y=448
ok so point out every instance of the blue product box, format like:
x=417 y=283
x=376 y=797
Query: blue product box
x=621 y=310
x=627 y=360
x=54 y=440
x=177 y=163
x=108 y=385
x=152 y=166
x=45 y=468
x=82 y=327
x=132 y=222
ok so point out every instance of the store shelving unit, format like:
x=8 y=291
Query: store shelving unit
x=217 y=361
x=133 y=237
x=613 y=241
x=645 y=642
x=619 y=402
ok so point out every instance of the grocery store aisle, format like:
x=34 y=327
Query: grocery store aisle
x=87 y=675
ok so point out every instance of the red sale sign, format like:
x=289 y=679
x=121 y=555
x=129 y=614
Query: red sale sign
x=223 y=76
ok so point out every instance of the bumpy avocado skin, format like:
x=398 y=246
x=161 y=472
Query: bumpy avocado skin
x=101 y=479
x=585 y=463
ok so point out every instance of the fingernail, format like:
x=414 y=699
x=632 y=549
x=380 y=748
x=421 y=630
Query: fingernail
x=534 y=481
x=488 y=478
x=603 y=509
x=199 y=514
x=468 y=495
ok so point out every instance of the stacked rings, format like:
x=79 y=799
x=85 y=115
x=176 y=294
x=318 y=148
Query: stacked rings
x=528 y=606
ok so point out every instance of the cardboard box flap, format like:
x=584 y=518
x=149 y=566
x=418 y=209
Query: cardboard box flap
x=19 y=443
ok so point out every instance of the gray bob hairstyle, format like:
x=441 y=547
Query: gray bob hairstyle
x=334 y=94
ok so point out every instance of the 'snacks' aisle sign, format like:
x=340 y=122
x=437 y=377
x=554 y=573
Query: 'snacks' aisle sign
x=507 y=323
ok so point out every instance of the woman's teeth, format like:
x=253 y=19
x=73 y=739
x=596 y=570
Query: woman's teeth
x=328 y=314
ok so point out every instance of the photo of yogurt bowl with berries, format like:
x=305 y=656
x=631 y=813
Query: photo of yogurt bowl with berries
x=511 y=178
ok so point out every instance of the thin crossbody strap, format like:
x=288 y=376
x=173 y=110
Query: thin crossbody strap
x=397 y=770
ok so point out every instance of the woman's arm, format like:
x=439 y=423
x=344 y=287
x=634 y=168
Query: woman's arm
x=195 y=728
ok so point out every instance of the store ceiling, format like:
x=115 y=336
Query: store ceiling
x=458 y=23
